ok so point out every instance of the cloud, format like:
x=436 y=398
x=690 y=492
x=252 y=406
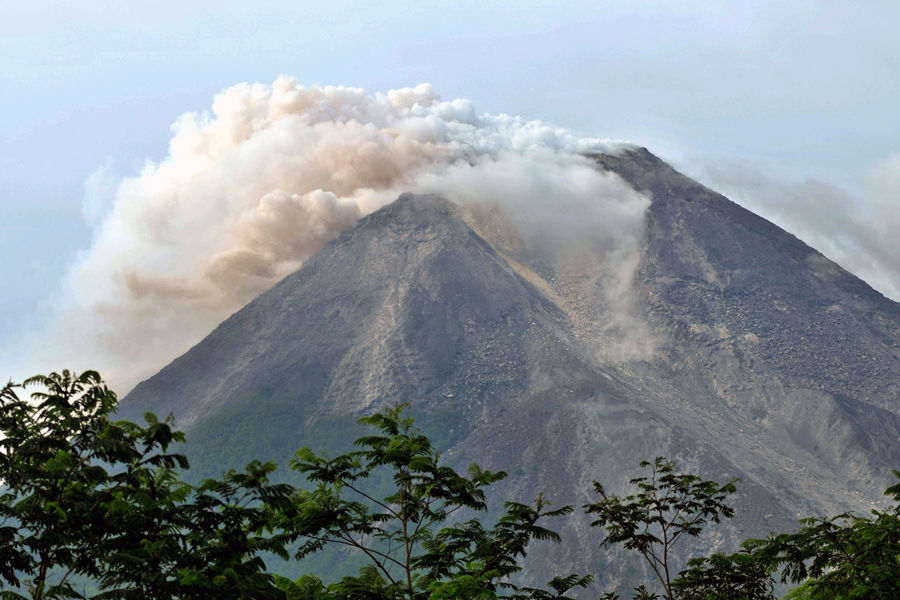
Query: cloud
x=253 y=187
x=99 y=193
x=859 y=233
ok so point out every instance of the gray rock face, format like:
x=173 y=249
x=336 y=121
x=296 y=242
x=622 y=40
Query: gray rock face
x=709 y=261
x=801 y=352
x=770 y=362
x=411 y=305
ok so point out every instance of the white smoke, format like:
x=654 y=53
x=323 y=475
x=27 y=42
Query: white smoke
x=252 y=188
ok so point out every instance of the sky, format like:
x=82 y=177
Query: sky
x=789 y=108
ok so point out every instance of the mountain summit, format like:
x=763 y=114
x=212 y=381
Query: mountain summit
x=761 y=359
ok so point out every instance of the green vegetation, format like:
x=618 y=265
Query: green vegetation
x=848 y=556
x=90 y=498
x=667 y=507
x=87 y=496
x=68 y=475
x=841 y=558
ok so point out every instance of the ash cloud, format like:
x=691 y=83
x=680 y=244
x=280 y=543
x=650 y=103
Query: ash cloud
x=250 y=189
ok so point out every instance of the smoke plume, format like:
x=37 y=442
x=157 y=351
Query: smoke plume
x=250 y=189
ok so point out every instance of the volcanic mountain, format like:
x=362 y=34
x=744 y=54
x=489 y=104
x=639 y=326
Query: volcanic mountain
x=757 y=357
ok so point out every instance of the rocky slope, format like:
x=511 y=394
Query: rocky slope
x=756 y=357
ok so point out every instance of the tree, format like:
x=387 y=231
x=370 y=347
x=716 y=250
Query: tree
x=558 y=587
x=65 y=469
x=200 y=542
x=308 y=587
x=85 y=495
x=412 y=555
x=667 y=507
x=848 y=556
x=738 y=576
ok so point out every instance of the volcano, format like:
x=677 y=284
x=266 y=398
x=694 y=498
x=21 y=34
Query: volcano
x=740 y=352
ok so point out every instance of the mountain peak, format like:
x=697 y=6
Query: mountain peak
x=409 y=305
x=646 y=172
x=774 y=364
x=413 y=208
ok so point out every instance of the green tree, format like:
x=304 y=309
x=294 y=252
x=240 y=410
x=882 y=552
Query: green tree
x=200 y=542
x=65 y=468
x=85 y=495
x=559 y=587
x=738 y=576
x=667 y=507
x=308 y=587
x=848 y=556
x=413 y=554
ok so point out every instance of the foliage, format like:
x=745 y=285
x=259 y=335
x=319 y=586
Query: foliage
x=848 y=556
x=668 y=506
x=805 y=591
x=66 y=469
x=88 y=496
x=559 y=586
x=412 y=553
x=84 y=495
x=737 y=577
x=201 y=542
x=308 y=587
x=844 y=557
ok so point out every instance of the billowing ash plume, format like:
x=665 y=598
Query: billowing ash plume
x=251 y=189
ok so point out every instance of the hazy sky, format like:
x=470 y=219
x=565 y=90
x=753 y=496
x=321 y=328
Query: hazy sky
x=790 y=108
